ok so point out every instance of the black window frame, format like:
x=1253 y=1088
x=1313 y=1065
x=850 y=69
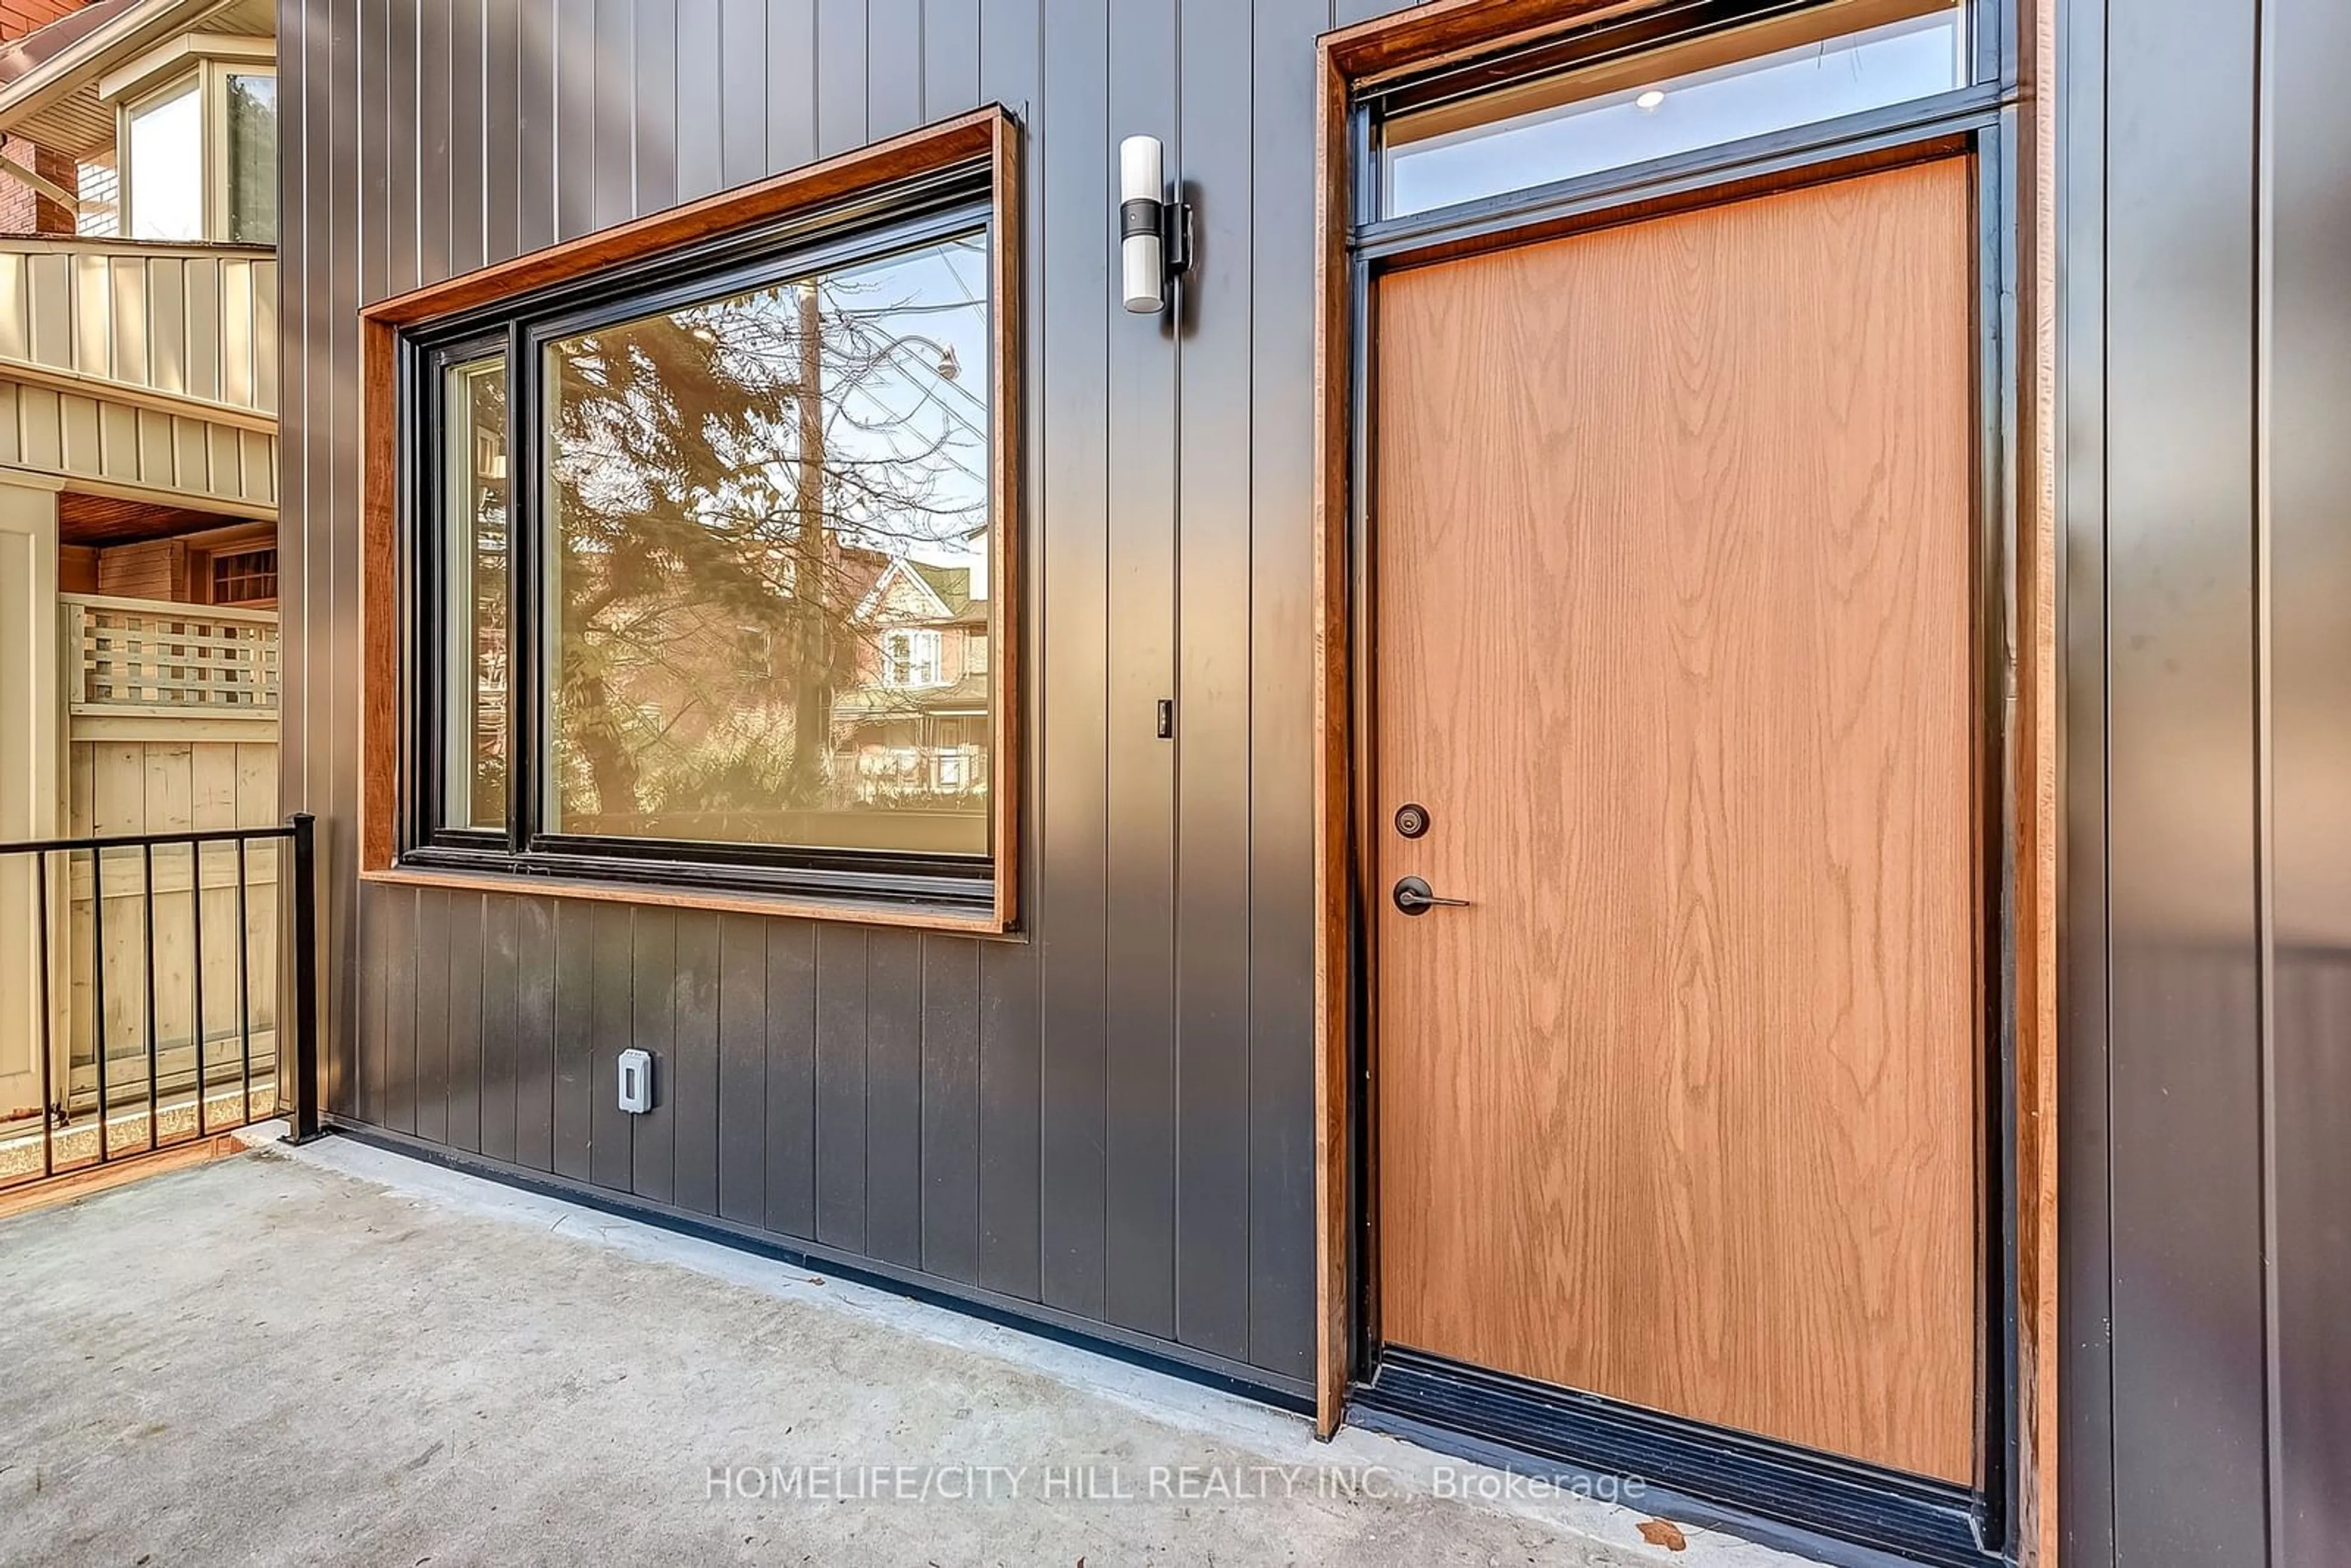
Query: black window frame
x=949 y=204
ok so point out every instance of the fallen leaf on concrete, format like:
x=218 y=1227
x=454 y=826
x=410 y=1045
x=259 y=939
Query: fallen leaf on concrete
x=1664 y=1533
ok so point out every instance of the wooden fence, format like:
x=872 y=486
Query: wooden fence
x=172 y=726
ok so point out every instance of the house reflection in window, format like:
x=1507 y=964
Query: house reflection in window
x=912 y=730
x=910 y=658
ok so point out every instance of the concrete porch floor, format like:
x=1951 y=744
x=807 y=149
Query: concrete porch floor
x=336 y=1353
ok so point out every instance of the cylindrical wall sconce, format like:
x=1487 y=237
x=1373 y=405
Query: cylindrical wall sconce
x=1154 y=234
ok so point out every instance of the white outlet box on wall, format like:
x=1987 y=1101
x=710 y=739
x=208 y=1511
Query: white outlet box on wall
x=636 y=1083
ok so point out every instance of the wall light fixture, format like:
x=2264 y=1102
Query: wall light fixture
x=1154 y=234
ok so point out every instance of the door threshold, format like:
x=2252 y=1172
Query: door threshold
x=1824 y=1507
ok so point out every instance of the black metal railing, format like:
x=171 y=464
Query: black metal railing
x=130 y=1079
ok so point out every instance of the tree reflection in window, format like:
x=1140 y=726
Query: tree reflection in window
x=474 y=589
x=801 y=469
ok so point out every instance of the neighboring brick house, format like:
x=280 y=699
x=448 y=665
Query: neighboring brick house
x=909 y=716
x=914 y=727
x=18 y=17
x=138 y=371
x=26 y=208
x=138 y=350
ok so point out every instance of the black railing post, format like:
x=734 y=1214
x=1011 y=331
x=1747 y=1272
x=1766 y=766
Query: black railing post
x=48 y=1010
x=97 y=986
x=243 y=990
x=196 y=967
x=147 y=876
x=306 y=978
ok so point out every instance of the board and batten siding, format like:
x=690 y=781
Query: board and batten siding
x=1107 y=1123
x=149 y=366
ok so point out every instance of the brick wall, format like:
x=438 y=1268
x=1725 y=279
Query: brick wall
x=101 y=183
x=23 y=210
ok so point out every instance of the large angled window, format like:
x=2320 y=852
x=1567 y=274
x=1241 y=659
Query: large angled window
x=704 y=572
x=166 y=155
x=198 y=154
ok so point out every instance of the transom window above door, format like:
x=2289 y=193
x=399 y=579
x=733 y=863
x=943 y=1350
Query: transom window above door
x=1687 y=78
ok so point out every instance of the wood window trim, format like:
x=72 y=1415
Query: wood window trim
x=987 y=134
x=1444 y=32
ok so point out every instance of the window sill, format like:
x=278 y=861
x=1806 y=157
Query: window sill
x=775 y=906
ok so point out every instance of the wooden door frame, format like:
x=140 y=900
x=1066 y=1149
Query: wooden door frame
x=1432 y=35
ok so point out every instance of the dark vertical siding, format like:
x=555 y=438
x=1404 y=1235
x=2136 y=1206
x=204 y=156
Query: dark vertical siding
x=467 y=1075
x=537 y=173
x=2310 y=649
x=1069 y=160
x=538 y=965
x=432 y=935
x=1110 y=1115
x=644 y=1148
x=1210 y=879
x=791 y=82
x=2184 y=1073
x=578 y=1002
x=838 y=88
x=894 y=67
x=657 y=152
x=1145 y=354
x=742 y=91
x=950 y=58
x=325 y=752
x=396 y=1059
x=742 y=1077
x=294 y=430
x=791 y=1019
x=2208 y=987
x=1280 y=784
x=694 y=1070
x=591 y=128
x=598 y=81
x=402 y=238
x=465 y=148
x=502 y=1029
x=701 y=142
x=616 y=1022
x=502 y=132
x=839 y=1131
x=377 y=978
x=893 y=1097
x=2084 y=1191
x=1011 y=1019
x=949 y=1044
x=436 y=110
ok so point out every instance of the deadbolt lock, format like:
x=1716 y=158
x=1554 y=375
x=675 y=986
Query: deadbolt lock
x=1412 y=820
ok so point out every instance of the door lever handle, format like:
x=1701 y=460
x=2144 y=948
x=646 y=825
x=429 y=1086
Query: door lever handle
x=1413 y=896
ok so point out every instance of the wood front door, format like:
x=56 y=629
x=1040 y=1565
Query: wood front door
x=1671 y=561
